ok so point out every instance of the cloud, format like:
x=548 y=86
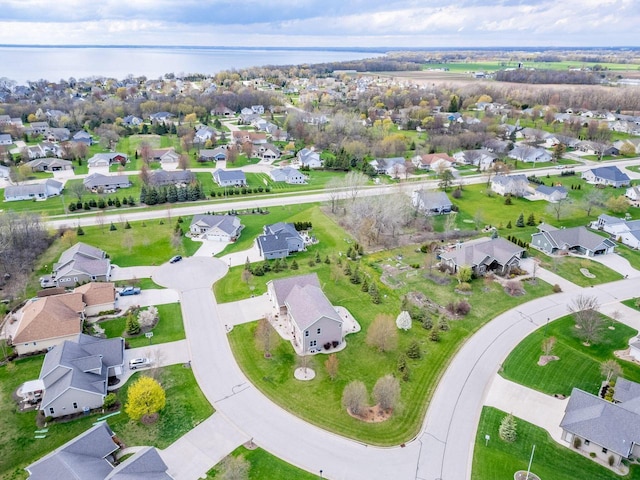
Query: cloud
x=419 y=23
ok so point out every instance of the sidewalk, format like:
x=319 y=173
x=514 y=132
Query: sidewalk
x=538 y=408
x=548 y=276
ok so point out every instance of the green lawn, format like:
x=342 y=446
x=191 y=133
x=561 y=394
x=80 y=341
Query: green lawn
x=170 y=327
x=143 y=283
x=579 y=366
x=552 y=461
x=265 y=466
x=186 y=407
x=569 y=269
x=633 y=303
x=319 y=401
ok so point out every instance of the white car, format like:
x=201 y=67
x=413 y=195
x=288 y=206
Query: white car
x=136 y=363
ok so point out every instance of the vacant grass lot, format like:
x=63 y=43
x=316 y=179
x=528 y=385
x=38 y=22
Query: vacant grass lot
x=170 y=327
x=569 y=269
x=553 y=461
x=579 y=366
x=319 y=401
x=186 y=407
x=265 y=466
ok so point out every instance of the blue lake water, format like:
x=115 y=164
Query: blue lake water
x=22 y=63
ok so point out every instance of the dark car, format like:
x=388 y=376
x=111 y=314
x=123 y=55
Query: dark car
x=175 y=259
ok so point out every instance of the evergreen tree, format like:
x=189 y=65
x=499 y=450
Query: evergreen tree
x=374 y=292
x=414 y=350
x=132 y=326
x=112 y=227
x=131 y=201
x=508 y=429
x=318 y=259
x=355 y=276
x=520 y=221
x=509 y=224
x=172 y=194
x=531 y=220
x=127 y=225
x=117 y=202
x=294 y=265
x=326 y=260
x=181 y=194
x=365 y=285
x=79 y=231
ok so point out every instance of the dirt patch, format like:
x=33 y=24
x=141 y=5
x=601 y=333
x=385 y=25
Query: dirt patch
x=373 y=414
x=587 y=273
x=149 y=419
x=545 y=359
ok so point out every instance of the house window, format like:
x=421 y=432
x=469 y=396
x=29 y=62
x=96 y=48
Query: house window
x=313 y=343
x=51 y=411
x=604 y=450
x=318 y=332
x=587 y=442
x=306 y=333
x=75 y=405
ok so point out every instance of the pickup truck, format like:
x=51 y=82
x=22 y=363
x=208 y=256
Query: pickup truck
x=126 y=291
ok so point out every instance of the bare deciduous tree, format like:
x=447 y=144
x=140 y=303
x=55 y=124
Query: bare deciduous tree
x=354 y=397
x=386 y=392
x=588 y=320
x=265 y=336
x=610 y=369
x=382 y=333
x=548 y=344
x=331 y=364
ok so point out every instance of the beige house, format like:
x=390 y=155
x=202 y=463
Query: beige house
x=313 y=321
x=49 y=321
x=98 y=297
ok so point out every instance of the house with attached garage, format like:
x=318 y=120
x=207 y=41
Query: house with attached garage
x=49 y=165
x=75 y=374
x=562 y=241
x=481 y=158
x=279 y=241
x=484 y=255
x=98 y=182
x=82 y=137
x=107 y=159
x=219 y=228
x=230 y=178
x=311 y=319
x=308 y=158
x=622 y=230
x=633 y=194
x=528 y=154
x=158 y=178
x=552 y=194
x=212 y=154
x=394 y=167
x=165 y=156
x=79 y=264
x=92 y=456
x=5 y=172
x=610 y=176
x=604 y=430
x=33 y=191
x=288 y=175
x=516 y=185
x=431 y=202
x=5 y=139
x=433 y=161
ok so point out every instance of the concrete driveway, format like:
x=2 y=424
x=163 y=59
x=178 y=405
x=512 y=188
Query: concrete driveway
x=244 y=311
x=212 y=440
x=239 y=258
x=616 y=263
x=190 y=273
x=164 y=354
x=155 y=296
x=130 y=273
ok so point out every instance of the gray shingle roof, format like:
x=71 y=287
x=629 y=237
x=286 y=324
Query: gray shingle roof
x=576 y=236
x=32 y=189
x=166 y=177
x=546 y=190
x=610 y=173
x=473 y=254
x=82 y=365
x=607 y=424
x=229 y=224
x=272 y=243
x=305 y=301
x=229 y=176
x=96 y=180
x=146 y=464
x=82 y=258
x=82 y=458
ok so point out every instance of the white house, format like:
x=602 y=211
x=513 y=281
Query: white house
x=516 y=185
x=37 y=191
x=219 y=228
x=230 y=178
x=308 y=158
x=288 y=175
x=624 y=231
x=611 y=176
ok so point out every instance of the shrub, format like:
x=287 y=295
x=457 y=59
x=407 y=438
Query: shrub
x=611 y=460
x=463 y=308
x=110 y=400
x=464 y=287
x=414 y=351
x=327 y=345
x=335 y=343
x=557 y=288
x=508 y=429
x=434 y=336
x=577 y=442
x=427 y=323
x=592 y=454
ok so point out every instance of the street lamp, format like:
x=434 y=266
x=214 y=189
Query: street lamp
x=546 y=325
x=320 y=473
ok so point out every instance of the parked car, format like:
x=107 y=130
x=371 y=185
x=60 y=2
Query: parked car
x=126 y=291
x=136 y=363
x=175 y=259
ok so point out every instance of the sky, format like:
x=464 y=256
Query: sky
x=327 y=23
